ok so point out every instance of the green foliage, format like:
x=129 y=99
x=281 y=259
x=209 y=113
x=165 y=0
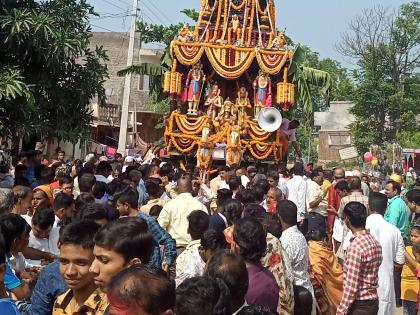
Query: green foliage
x=49 y=74
x=387 y=91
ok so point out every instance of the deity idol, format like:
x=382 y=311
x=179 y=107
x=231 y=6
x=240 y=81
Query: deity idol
x=227 y=114
x=279 y=42
x=213 y=101
x=236 y=28
x=242 y=103
x=194 y=86
x=262 y=86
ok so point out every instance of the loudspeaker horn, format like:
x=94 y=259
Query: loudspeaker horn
x=269 y=119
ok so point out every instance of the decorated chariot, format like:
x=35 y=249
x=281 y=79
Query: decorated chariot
x=228 y=85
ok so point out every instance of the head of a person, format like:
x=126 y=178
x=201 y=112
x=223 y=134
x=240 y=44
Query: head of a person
x=66 y=184
x=253 y=210
x=252 y=171
x=127 y=201
x=60 y=155
x=259 y=194
x=46 y=175
x=63 y=206
x=249 y=239
x=317 y=227
x=86 y=182
x=354 y=215
x=104 y=168
x=20 y=171
x=198 y=223
x=317 y=177
x=6 y=200
x=15 y=231
x=342 y=188
x=135 y=176
x=271 y=223
x=339 y=173
x=377 y=203
x=392 y=189
x=223 y=195
x=184 y=185
x=210 y=296
x=355 y=183
x=22 y=199
x=246 y=196
x=76 y=253
x=303 y=300
x=274 y=195
x=415 y=231
x=287 y=212
x=413 y=200
x=99 y=190
x=273 y=178
x=141 y=290
x=211 y=242
x=153 y=187
x=230 y=268
x=365 y=179
x=93 y=212
x=42 y=223
x=118 y=245
x=234 y=183
x=82 y=199
x=416 y=252
x=232 y=209
x=294 y=124
x=224 y=172
x=298 y=169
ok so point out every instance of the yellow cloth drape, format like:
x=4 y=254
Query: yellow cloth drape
x=327 y=270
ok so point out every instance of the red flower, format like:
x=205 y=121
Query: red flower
x=274 y=259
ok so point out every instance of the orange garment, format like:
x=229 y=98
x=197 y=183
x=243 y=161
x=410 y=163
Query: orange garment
x=47 y=190
x=327 y=270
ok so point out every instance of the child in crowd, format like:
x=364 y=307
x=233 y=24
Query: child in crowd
x=7 y=306
x=409 y=281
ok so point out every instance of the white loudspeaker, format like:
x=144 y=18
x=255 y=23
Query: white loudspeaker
x=269 y=119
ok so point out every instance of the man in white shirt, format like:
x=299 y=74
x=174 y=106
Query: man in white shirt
x=295 y=246
x=315 y=198
x=173 y=217
x=217 y=183
x=393 y=250
x=44 y=236
x=103 y=171
x=297 y=193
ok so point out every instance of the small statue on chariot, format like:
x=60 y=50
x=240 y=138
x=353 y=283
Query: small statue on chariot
x=194 y=86
x=213 y=101
x=279 y=42
x=262 y=88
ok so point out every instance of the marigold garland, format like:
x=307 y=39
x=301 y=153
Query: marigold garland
x=216 y=27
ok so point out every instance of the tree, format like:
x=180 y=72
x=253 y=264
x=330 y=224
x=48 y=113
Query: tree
x=48 y=73
x=386 y=49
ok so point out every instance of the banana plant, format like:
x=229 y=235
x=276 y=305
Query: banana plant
x=304 y=77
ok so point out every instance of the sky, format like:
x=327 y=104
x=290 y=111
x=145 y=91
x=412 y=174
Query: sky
x=317 y=24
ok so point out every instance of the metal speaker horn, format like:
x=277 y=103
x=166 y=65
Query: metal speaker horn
x=269 y=119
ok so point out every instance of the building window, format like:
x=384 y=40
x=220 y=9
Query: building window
x=144 y=83
x=339 y=140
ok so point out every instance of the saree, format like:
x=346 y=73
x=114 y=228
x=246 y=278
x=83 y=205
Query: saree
x=328 y=274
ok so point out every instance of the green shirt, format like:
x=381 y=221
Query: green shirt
x=397 y=214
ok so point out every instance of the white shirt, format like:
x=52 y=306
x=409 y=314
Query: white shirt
x=296 y=248
x=393 y=250
x=46 y=245
x=101 y=178
x=297 y=193
x=313 y=192
x=194 y=267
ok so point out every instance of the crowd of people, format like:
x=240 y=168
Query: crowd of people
x=141 y=236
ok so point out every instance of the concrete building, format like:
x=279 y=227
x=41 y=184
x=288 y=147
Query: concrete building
x=333 y=130
x=107 y=118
